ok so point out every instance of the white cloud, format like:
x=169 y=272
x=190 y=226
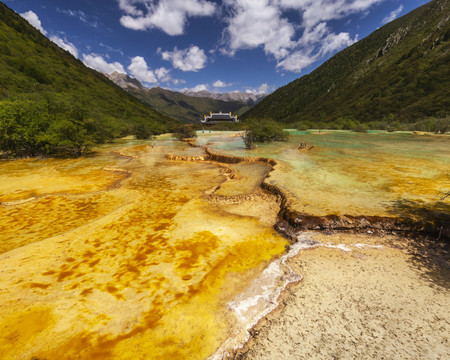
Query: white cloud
x=65 y=44
x=261 y=90
x=33 y=19
x=313 y=35
x=163 y=74
x=139 y=69
x=315 y=11
x=255 y=23
x=268 y=24
x=97 y=62
x=393 y=15
x=297 y=61
x=335 y=42
x=129 y=7
x=199 y=87
x=191 y=59
x=169 y=16
x=329 y=44
x=178 y=81
x=221 y=84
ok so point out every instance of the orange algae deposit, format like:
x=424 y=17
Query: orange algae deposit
x=122 y=256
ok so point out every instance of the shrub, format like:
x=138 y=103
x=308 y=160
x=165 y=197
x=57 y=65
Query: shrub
x=345 y=123
x=377 y=125
x=142 y=131
x=359 y=128
x=185 y=132
x=265 y=130
x=303 y=125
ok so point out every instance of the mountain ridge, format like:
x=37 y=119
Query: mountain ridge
x=187 y=109
x=183 y=106
x=125 y=81
x=249 y=98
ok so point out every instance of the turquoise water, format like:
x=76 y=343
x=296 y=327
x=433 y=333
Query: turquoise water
x=351 y=173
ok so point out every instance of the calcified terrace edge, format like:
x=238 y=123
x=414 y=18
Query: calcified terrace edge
x=291 y=222
x=261 y=297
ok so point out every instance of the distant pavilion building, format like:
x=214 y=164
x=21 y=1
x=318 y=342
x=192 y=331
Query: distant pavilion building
x=215 y=118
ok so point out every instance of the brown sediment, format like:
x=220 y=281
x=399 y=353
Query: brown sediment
x=127 y=156
x=221 y=158
x=187 y=157
x=230 y=159
x=292 y=222
x=237 y=199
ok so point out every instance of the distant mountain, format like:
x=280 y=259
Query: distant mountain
x=399 y=72
x=249 y=98
x=51 y=103
x=125 y=81
x=188 y=109
x=183 y=107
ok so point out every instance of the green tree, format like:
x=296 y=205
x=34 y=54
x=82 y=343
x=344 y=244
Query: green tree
x=185 y=132
x=264 y=130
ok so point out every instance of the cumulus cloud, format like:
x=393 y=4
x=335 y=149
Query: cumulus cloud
x=393 y=15
x=199 y=87
x=297 y=61
x=261 y=90
x=169 y=16
x=313 y=35
x=255 y=23
x=315 y=11
x=139 y=69
x=163 y=74
x=65 y=44
x=129 y=7
x=97 y=62
x=307 y=55
x=178 y=81
x=191 y=59
x=295 y=45
x=33 y=19
x=221 y=84
x=335 y=42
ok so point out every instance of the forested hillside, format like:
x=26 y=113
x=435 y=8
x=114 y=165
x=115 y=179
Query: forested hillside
x=51 y=103
x=399 y=73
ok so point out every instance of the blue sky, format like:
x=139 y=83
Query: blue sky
x=222 y=46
